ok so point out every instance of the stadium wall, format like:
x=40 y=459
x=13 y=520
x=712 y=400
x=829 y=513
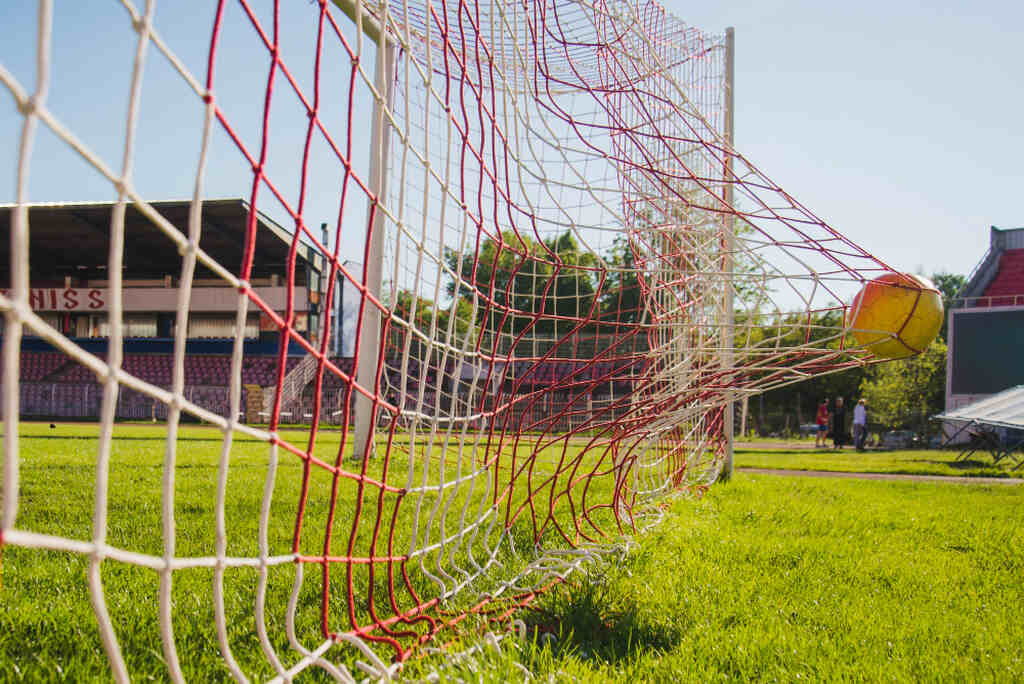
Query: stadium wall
x=206 y=299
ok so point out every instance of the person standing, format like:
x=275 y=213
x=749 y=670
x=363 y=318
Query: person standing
x=860 y=424
x=821 y=420
x=839 y=424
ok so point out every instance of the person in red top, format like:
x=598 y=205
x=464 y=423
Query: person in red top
x=821 y=419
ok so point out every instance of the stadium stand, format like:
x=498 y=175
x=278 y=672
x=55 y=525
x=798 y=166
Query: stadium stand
x=71 y=295
x=1009 y=279
x=70 y=292
x=1000 y=273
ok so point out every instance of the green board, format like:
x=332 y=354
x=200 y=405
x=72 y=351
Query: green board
x=988 y=350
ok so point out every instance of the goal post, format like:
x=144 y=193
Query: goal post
x=569 y=275
x=729 y=244
x=369 y=322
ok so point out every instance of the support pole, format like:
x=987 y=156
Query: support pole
x=729 y=247
x=369 y=339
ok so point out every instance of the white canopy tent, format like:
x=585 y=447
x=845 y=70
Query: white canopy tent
x=996 y=424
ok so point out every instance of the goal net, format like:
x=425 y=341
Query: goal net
x=545 y=278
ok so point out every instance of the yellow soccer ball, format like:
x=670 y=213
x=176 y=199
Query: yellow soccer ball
x=895 y=315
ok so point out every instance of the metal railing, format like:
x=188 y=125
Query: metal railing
x=986 y=302
x=294 y=383
x=82 y=401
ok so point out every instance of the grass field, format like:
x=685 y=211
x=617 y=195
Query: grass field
x=45 y=616
x=783 y=579
x=764 y=579
x=910 y=462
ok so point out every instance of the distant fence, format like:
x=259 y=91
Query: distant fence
x=82 y=401
x=535 y=412
x=557 y=412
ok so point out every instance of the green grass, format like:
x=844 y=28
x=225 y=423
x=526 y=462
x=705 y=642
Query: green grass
x=911 y=462
x=772 y=579
x=45 y=617
x=764 y=579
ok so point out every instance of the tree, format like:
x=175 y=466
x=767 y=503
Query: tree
x=523 y=283
x=800 y=400
x=949 y=285
x=427 y=310
x=622 y=298
x=904 y=394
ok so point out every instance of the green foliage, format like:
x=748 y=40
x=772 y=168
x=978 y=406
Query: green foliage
x=519 y=278
x=949 y=285
x=622 y=298
x=427 y=311
x=799 y=400
x=905 y=393
x=558 y=278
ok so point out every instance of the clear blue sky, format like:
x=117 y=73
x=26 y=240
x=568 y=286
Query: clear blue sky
x=896 y=122
x=899 y=122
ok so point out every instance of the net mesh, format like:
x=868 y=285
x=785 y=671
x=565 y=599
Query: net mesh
x=555 y=271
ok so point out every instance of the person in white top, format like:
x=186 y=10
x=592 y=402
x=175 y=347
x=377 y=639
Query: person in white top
x=860 y=424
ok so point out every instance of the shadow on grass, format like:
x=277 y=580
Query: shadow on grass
x=591 y=617
x=957 y=465
x=799 y=452
x=982 y=468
